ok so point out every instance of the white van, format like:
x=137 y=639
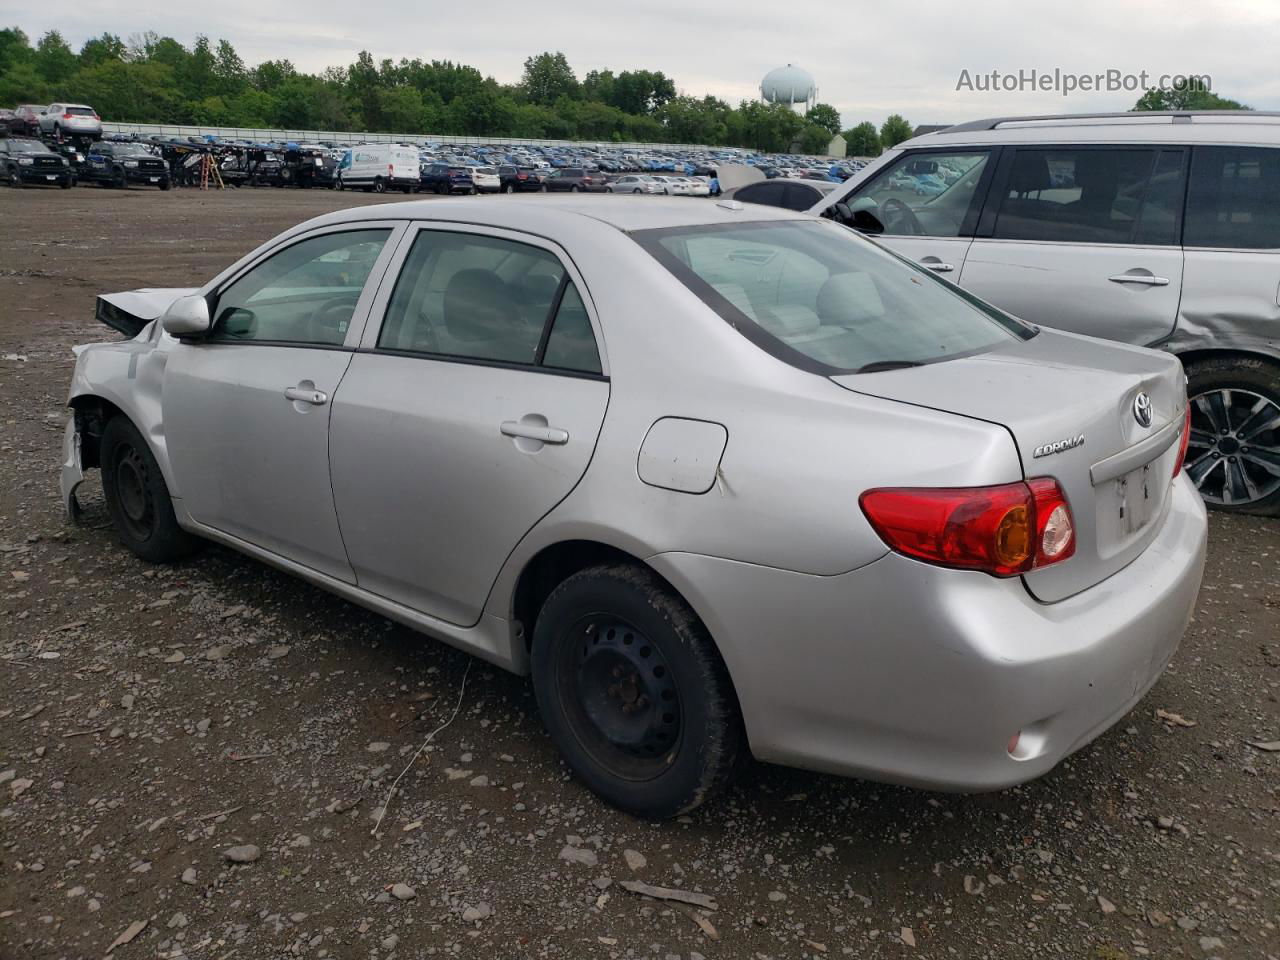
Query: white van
x=379 y=167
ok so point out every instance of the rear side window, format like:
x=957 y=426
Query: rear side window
x=571 y=345
x=474 y=297
x=1233 y=199
x=1069 y=195
x=824 y=299
x=769 y=193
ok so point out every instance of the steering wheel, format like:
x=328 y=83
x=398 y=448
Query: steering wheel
x=899 y=218
x=329 y=322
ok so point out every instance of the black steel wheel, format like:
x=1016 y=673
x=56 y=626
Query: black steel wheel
x=137 y=497
x=1233 y=454
x=379 y=185
x=15 y=178
x=634 y=692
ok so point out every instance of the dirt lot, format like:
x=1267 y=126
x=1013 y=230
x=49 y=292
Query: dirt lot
x=153 y=718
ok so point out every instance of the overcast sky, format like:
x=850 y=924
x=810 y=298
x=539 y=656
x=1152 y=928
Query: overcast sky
x=870 y=59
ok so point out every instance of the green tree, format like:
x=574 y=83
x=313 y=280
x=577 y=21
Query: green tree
x=825 y=116
x=1192 y=94
x=131 y=92
x=97 y=49
x=598 y=85
x=642 y=91
x=53 y=59
x=270 y=74
x=894 y=130
x=229 y=73
x=547 y=78
x=814 y=140
x=862 y=140
x=15 y=48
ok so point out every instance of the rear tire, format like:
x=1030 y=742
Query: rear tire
x=137 y=497
x=379 y=185
x=1228 y=455
x=634 y=693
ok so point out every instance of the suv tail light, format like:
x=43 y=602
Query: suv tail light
x=68 y=115
x=1182 y=444
x=1004 y=530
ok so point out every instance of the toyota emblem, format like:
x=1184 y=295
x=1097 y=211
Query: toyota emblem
x=1142 y=409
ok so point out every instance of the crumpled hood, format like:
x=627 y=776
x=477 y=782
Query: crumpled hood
x=132 y=310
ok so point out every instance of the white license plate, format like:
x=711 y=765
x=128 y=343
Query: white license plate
x=155 y=179
x=50 y=176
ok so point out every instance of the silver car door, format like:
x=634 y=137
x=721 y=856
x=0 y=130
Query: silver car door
x=928 y=202
x=467 y=415
x=246 y=410
x=1085 y=239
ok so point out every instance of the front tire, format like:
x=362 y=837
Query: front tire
x=137 y=497
x=634 y=693
x=1233 y=456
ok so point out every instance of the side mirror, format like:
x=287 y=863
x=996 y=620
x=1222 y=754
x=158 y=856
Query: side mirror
x=866 y=222
x=186 y=317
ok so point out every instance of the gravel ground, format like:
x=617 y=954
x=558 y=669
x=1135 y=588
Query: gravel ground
x=193 y=758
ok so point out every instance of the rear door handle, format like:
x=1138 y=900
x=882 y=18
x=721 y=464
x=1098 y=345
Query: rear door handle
x=306 y=395
x=936 y=265
x=529 y=431
x=1143 y=278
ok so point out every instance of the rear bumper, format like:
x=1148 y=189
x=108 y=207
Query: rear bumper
x=913 y=674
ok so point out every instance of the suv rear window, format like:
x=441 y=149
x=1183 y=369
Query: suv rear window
x=80 y=111
x=1234 y=198
x=826 y=300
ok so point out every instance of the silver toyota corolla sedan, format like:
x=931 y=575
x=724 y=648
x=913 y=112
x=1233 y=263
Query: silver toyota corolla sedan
x=723 y=478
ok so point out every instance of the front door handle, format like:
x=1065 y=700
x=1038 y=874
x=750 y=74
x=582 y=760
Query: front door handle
x=1144 y=278
x=306 y=395
x=532 y=431
x=936 y=265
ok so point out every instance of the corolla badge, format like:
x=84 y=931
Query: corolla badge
x=1046 y=449
x=1142 y=409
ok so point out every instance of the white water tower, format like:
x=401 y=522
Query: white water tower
x=791 y=85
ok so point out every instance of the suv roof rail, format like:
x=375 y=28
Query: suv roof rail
x=1173 y=116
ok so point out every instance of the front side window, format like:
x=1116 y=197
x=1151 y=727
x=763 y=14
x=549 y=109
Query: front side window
x=822 y=298
x=1067 y=195
x=306 y=293
x=479 y=298
x=1233 y=200
x=925 y=194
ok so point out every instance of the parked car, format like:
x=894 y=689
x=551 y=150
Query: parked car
x=122 y=164
x=27 y=118
x=783 y=192
x=574 y=179
x=518 y=179
x=635 y=183
x=25 y=162
x=70 y=120
x=485 y=179
x=10 y=125
x=406 y=405
x=447 y=178
x=1154 y=229
x=379 y=167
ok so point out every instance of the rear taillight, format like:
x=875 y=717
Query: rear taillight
x=1182 y=444
x=1005 y=530
x=67 y=116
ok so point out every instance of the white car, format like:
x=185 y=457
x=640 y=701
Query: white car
x=379 y=167
x=486 y=179
x=699 y=186
x=674 y=186
x=71 y=120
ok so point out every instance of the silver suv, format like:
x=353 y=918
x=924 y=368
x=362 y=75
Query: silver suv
x=1159 y=229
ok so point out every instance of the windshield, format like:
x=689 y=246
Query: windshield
x=825 y=299
x=131 y=150
x=26 y=146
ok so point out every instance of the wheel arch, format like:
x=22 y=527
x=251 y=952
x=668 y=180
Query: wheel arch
x=91 y=414
x=1195 y=355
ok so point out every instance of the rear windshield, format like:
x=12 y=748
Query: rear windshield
x=488 y=171
x=822 y=298
x=80 y=111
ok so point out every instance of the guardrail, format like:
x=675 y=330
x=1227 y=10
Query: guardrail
x=266 y=135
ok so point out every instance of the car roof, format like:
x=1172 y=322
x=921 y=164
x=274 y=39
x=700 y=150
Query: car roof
x=539 y=213
x=1207 y=126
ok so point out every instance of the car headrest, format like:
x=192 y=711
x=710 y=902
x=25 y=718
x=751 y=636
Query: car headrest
x=1030 y=173
x=849 y=298
x=477 y=305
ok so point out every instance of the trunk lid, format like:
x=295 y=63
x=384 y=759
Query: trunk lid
x=130 y=311
x=1070 y=404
